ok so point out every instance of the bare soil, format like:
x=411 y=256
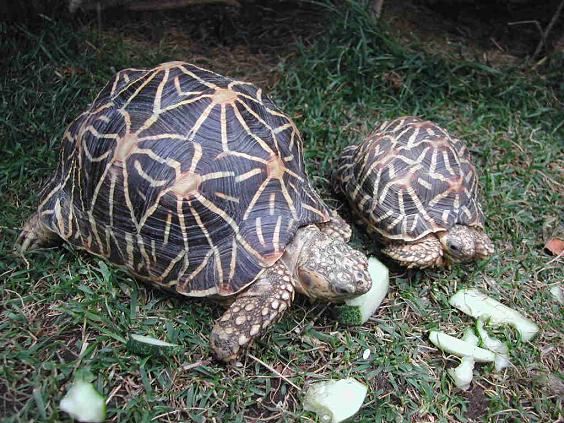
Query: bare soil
x=252 y=40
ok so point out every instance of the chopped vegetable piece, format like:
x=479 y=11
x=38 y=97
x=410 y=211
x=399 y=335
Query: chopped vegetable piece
x=495 y=345
x=501 y=362
x=335 y=400
x=358 y=310
x=470 y=337
x=460 y=348
x=558 y=293
x=144 y=345
x=349 y=315
x=84 y=403
x=462 y=375
x=479 y=305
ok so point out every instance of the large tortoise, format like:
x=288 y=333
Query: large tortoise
x=415 y=187
x=195 y=182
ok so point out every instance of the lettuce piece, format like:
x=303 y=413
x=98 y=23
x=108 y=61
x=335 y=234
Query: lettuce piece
x=495 y=345
x=335 y=400
x=460 y=348
x=146 y=345
x=462 y=375
x=470 y=337
x=479 y=305
x=358 y=310
x=84 y=403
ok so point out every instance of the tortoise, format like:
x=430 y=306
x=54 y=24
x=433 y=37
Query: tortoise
x=415 y=187
x=195 y=182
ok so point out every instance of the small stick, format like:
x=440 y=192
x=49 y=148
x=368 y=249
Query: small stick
x=547 y=30
x=535 y=23
x=196 y=364
x=377 y=8
x=276 y=372
x=99 y=15
x=112 y=394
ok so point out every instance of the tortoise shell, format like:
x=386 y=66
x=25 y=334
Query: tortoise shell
x=189 y=179
x=410 y=178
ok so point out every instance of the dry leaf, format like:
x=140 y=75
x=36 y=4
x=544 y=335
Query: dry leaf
x=555 y=246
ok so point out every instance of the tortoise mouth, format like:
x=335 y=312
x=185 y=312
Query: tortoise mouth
x=315 y=285
x=455 y=256
x=363 y=285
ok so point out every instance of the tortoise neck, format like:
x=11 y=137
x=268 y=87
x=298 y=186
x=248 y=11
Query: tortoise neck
x=298 y=246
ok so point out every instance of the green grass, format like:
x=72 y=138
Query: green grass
x=61 y=310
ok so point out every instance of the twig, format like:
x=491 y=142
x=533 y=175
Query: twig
x=377 y=8
x=557 y=258
x=98 y=5
x=276 y=372
x=534 y=22
x=112 y=394
x=174 y=4
x=99 y=16
x=196 y=364
x=547 y=30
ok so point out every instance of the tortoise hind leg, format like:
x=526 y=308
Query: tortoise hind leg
x=36 y=234
x=253 y=311
x=427 y=252
x=336 y=227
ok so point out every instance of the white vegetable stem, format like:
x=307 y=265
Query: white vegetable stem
x=460 y=348
x=84 y=403
x=335 y=400
x=479 y=305
x=368 y=303
x=470 y=337
x=558 y=293
x=462 y=375
x=495 y=345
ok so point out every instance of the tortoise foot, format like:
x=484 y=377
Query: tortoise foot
x=484 y=245
x=35 y=235
x=252 y=313
x=425 y=253
x=336 y=228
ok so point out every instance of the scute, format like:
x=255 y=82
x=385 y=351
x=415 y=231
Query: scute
x=189 y=179
x=412 y=178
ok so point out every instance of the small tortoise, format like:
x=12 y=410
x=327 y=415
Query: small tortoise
x=414 y=185
x=196 y=183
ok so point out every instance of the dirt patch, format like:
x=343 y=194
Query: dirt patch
x=477 y=403
x=498 y=33
x=246 y=42
x=382 y=383
x=12 y=400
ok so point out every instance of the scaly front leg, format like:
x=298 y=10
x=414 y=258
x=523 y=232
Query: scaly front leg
x=483 y=244
x=254 y=310
x=336 y=228
x=427 y=252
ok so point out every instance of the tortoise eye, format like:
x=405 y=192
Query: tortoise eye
x=454 y=247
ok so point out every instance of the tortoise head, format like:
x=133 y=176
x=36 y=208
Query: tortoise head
x=328 y=269
x=464 y=243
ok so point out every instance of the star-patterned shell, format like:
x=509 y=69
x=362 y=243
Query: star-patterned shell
x=189 y=179
x=410 y=178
